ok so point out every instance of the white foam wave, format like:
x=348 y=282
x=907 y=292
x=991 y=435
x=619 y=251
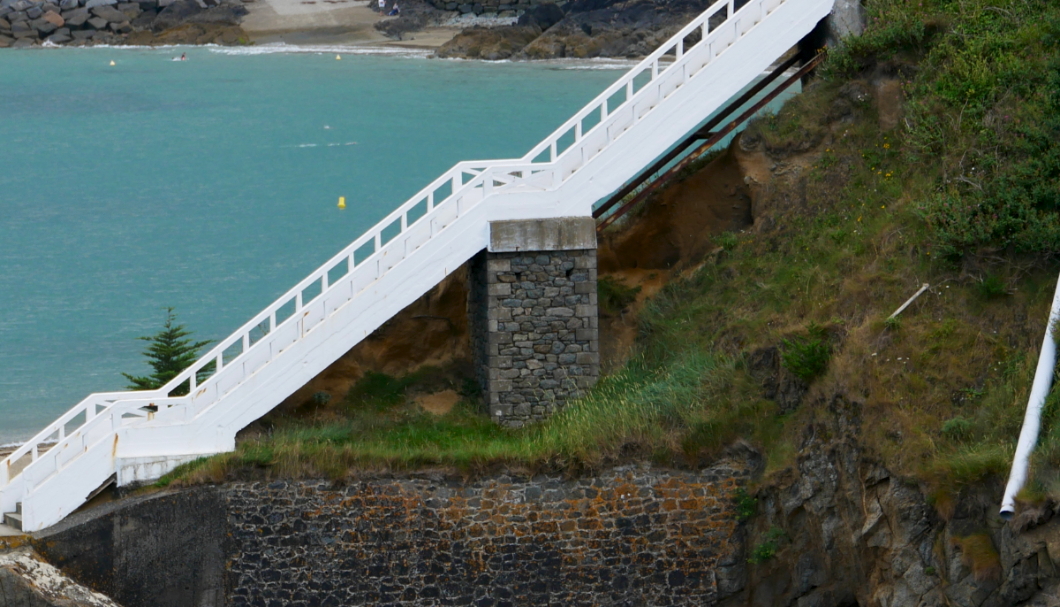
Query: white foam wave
x=283 y=48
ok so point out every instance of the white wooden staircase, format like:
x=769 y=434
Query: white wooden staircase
x=139 y=436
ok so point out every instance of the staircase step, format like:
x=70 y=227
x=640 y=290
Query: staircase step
x=13 y=519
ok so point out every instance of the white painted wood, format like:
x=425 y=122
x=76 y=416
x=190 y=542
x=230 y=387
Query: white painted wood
x=125 y=439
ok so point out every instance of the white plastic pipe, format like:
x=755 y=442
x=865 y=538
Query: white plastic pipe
x=1032 y=420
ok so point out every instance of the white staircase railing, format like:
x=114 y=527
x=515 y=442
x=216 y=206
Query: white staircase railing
x=141 y=435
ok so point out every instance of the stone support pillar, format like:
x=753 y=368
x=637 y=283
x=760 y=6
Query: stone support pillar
x=534 y=320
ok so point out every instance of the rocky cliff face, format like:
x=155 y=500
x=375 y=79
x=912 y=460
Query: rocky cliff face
x=581 y=29
x=840 y=530
x=82 y=22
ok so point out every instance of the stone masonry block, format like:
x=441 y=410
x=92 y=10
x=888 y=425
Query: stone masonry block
x=499 y=265
x=500 y=289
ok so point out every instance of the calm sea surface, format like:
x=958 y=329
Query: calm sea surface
x=210 y=185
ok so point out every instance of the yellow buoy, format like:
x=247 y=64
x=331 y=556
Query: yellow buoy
x=338 y=57
x=112 y=63
x=342 y=202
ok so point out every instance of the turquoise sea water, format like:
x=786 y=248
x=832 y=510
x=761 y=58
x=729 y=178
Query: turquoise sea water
x=210 y=185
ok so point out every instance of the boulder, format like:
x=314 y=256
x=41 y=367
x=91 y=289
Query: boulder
x=147 y=5
x=121 y=28
x=48 y=6
x=24 y=42
x=542 y=15
x=83 y=34
x=144 y=20
x=22 y=5
x=54 y=17
x=111 y=14
x=97 y=23
x=6 y=41
x=20 y=26
x=34 y=12
x=165 y=3
x=68 y=4
x=175 y=14
x=5 y=25
x=95 y=3
x=30 y=33
x=43 y=26
x=76 y=17
x=4 y=10
x=59 y=38
x=17 y=16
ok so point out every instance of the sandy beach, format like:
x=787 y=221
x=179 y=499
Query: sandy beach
x=327 y=22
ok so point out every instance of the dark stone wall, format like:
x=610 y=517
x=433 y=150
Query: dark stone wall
x=161 y=550
x=631 y=536
x=535 y=331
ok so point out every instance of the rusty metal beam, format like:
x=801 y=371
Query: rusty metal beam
x=704 y=132
x=709 y=143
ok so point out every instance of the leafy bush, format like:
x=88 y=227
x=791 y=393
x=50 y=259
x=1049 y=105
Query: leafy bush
x=746 y=504
x=807 y=356
x=957 y=429
x=614 y=296
x=767 y=549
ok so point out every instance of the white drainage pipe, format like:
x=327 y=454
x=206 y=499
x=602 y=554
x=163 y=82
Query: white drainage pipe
x=1032 y=420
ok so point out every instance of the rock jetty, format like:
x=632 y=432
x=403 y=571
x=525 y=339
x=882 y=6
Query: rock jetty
x=26 y=23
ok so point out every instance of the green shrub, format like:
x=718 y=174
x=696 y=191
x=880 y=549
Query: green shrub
x=746 y=504
x=807 y=356
x=614 y=296
x=957 y=429
x=768 y=548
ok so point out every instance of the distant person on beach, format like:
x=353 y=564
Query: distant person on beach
x=394 y=11
x=183 y=57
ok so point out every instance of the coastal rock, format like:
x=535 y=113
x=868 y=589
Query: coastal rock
x=5 y=41
x=175 y=14
x=83 y=34
x=59 y=38
x=109 y=13
x=76 y=17
x=54 y=18
x=68 y=4
x=491 y=44
x=6 y=10
x=43 y=26
x=25 y=41
x=20 y=26
x=17 y=16
x=34 y=12
x=48 y=6
x=131 y=10
x=5 y=26
x=121 y=28
x=95 y=3
x=97 y=23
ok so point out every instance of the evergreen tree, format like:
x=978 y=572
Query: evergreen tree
x=170 y=351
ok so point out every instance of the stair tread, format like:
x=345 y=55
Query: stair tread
x=7 y=531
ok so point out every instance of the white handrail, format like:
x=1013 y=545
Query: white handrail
x=1032 y=419
x=443 y=200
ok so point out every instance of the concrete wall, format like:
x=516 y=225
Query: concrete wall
x=162 y=550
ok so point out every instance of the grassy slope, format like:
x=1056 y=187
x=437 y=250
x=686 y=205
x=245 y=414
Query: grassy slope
x=962 y=195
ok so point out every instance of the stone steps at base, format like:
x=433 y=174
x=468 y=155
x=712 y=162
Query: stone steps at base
x=13 y=519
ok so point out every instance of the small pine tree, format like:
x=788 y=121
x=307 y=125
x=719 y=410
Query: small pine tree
x=171 y=351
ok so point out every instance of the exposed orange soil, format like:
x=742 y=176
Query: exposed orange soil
x=438 y=403
x=670 y=233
